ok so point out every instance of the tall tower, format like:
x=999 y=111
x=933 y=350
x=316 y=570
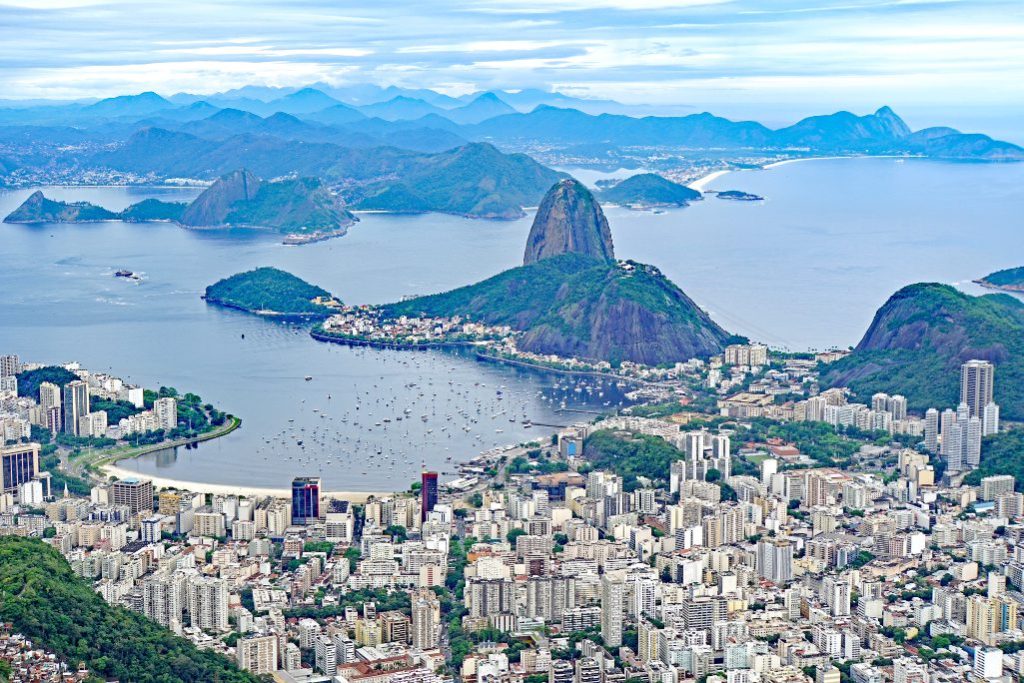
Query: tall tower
x=613 y=607
x=76 y=404
x=977 y=378
x=428 y=494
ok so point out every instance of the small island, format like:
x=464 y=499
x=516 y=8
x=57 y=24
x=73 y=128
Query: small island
x=39 y=209
x=1008 y=280
x=738 y=196
x=274 y=293
x=649 y=190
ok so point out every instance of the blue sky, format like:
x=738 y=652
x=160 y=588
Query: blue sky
x=776 y=58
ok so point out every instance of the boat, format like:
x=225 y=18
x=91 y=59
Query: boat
x=309 y=378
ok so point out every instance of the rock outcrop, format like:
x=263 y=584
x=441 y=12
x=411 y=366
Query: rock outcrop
x=38 y=209
x=213 y=206
x=569 y=221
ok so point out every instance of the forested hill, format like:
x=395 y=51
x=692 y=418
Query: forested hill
x=47 y=602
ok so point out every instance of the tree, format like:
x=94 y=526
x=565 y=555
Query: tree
x=514 y=534
x=713 y=475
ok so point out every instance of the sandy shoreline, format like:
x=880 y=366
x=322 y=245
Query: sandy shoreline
x=700 y=183
x=226 y=489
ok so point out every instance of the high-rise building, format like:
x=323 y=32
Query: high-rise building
x=166 y=411
x=428 y=494
x=9 y=366
x=990 y=419
x=947 y=420
x=931 y=430
x=305 y=500
x=257 y=654
x=988 y=663
x=561 y=671
x=953 y=439
x=326 y=656
x=775 y=560
x=136 y=494
x=75 y=405
x=163 y=599
x=426 y=620
x=906 y=670
x=977 y=379
x=972 y=443
x=208 y=603
x=50 y=405
x=19 y=464
x=613 y=608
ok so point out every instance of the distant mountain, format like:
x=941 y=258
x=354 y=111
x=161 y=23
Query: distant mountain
x=128 y=105
x=842 y=132
x=484 y=107
x=38 y=209
x=569 y=220
x=400 y=108
x=272 y=292
x=922 y=334
x=578 y=306
x=336 y=114
x=844 y=128
x=296 y=206
x=305 y=101
x=649 y=189
x=473 y=180
x=1011 y=280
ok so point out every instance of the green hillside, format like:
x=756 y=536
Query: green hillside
x=574 y=305
x=47 y=602
x=922 y=334
x=269 y=291
x=650 y=189
x=1011 y=279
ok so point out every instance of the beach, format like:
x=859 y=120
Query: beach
x=226 y=490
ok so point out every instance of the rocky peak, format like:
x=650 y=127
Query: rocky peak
x=569 y=220
x=214 y=204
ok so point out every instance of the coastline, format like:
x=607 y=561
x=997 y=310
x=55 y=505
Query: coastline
x=228 y=489
x=701 y=183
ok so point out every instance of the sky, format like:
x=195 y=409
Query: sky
x=941 y=61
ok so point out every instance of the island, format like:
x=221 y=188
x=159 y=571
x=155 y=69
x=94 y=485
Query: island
x=1008 y=280
x=738 y=196
x=274 y=293
x=649 y=190
x=301 y=209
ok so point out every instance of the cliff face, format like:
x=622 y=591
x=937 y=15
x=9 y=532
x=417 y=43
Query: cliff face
x=569 y=220
x=212 y=207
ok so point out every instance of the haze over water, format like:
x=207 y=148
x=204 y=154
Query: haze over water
x=805 y=269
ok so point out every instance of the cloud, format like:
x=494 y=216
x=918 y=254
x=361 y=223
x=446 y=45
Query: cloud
x=700 y=52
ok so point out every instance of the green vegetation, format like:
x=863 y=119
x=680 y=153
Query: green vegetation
x=472 y=180
x=633 y=456
x=46 y=601
x=269 y=291
x=38 y=209
x=922 y=334
x=578 y=306
x=294 y=206
x=817 y=440
x=1001 y=454
x=650 y=189
x=153 y=210
x=29 y=381
x=116 y=410
x=385 y=601
x=1011 y=279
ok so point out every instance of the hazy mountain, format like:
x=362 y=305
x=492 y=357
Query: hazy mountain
x=484 y=107
x=305 y=101
x=400 y=108
x=127 y=105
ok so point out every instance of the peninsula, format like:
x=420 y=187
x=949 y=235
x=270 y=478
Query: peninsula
x=1008 y=280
